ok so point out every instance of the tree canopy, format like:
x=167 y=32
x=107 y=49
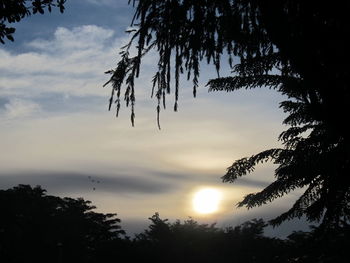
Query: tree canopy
x=13 y=11
x=36 y=227
x=299 y=48
x=190 y=241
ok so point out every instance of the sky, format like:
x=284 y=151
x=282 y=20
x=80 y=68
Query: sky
x=56 y=130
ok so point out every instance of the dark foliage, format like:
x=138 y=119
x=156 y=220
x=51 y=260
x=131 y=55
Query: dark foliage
x=35 y=227
x=319 y=245
x=299 y=48
x=13 y=11
x=189 y=241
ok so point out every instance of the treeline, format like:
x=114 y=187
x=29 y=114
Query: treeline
x=36 y=227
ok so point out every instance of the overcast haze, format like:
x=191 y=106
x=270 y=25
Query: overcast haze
x=56 y=130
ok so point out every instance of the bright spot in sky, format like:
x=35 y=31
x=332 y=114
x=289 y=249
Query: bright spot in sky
x=206 y=201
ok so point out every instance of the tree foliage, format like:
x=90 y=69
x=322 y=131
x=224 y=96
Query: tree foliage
x=190 y=241
x=35 y=227
x=299 y=48
x=13 y=11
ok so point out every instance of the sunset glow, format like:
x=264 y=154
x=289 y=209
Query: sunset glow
x=206 y=201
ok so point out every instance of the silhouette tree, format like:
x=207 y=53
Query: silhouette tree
x=250 y=244
x=13 y=11
x=298 y=48
x=319 y=246
x=35 y=227
x=190 y=241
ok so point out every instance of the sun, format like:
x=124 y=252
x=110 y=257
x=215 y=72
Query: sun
x=206 y=201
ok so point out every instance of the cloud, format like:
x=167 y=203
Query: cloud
x=78 y=39
x=71 y=62
x=253 y=182
x=17 y=108
x=79 y=182
x=3 y=102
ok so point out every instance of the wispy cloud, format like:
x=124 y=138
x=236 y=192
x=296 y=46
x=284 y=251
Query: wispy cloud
x=17 y=108
x=74 y=41
x=83 y=182
x=3 y=102
x=71 y=62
